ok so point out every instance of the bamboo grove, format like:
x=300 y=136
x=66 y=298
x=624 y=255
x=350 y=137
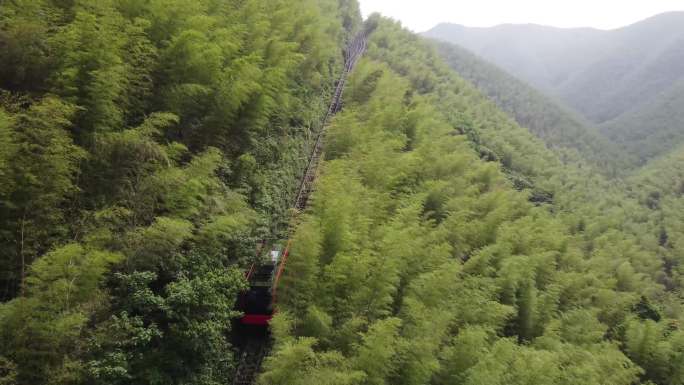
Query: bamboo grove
x=147 y=146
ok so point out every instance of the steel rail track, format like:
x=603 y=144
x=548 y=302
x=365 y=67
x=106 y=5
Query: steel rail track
x=257 y=346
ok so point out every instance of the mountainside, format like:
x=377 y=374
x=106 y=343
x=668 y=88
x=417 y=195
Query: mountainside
x=660 y=186
x=537 y=54
x=557 y=126
x=639 y=62
x=150 y=155
x=606 y=76
x=145 y=148
x=493 y=262
x=652 y=129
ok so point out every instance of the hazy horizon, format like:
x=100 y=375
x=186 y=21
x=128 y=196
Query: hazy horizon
x=423 y=15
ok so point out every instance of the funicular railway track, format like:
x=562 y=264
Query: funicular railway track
x=353 y=53
x=256 y=341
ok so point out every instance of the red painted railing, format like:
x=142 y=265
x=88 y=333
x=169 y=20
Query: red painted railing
x=279 y=272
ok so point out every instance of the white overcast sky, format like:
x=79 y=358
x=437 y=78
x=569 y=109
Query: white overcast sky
x=421 y=15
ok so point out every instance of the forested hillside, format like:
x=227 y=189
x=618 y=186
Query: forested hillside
x=559 y=128
x=624 y=79
x=653 y=129
x=420 y=263
x=144 y=147
x=660 y=187
x=148 y=147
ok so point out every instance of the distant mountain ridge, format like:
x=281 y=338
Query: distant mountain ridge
x=558 y=127
x=606 y=76
x=531 y=52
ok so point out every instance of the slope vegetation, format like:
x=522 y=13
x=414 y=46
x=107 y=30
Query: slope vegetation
x=659 y=186
x=421 y=263
x=145 y=146
x=654 y=128
x=559 y=128
x=609 y=77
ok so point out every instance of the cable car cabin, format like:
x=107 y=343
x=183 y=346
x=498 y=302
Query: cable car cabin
x=258 y=303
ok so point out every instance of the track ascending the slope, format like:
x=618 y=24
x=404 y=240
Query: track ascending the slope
x=352 y=55
x=257 y=343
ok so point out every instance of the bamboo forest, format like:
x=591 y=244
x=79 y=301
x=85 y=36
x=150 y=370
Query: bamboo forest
x=284 y=192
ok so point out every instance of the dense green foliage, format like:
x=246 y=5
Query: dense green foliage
x=660 y=187
x=139 y=145
x=420 y=262
x=146 y=147
x=653 y=129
